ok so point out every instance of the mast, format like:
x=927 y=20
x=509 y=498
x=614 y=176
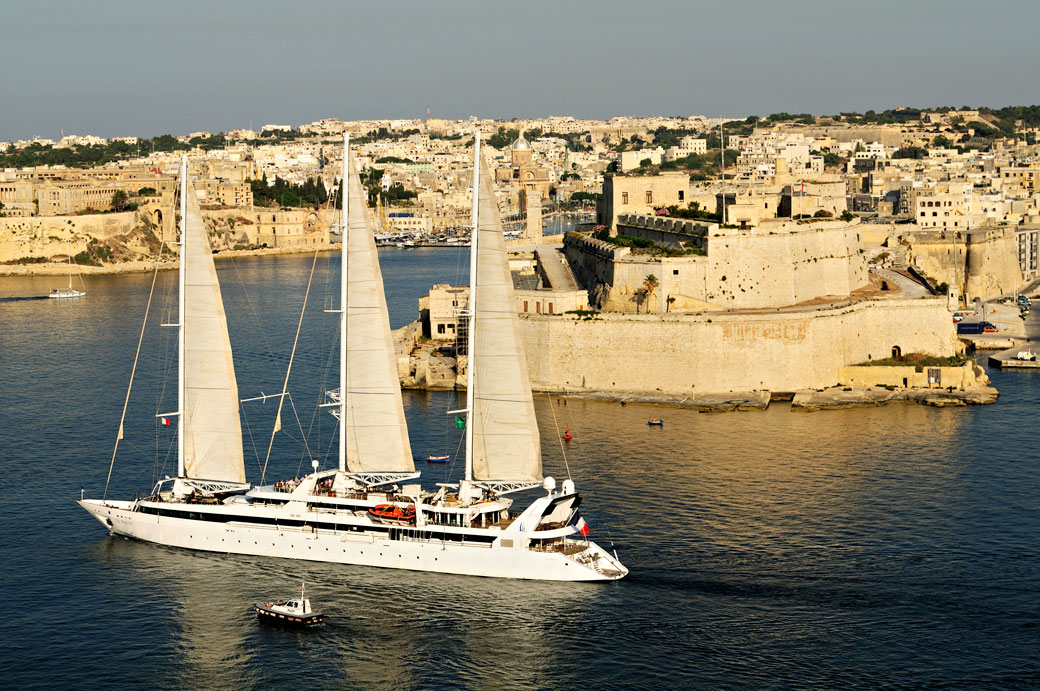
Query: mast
x=472 y=311
x=180 y=316
x=343 y=309
x=68 y=251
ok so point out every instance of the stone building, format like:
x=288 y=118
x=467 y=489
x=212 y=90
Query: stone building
x=639 y=194
x=290 y=228
x=532 y=182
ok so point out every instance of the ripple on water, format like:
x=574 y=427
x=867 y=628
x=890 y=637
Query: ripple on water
x=889 y=546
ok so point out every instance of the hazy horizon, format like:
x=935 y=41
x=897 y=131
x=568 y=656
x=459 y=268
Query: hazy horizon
x=118 y=68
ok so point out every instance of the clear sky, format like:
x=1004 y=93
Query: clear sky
x=141 y=67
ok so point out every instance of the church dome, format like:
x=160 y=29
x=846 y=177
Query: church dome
x=521 y=144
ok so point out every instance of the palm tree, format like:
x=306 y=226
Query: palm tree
x=649 y=287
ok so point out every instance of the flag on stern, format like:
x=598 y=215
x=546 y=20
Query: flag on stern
x=459 y=423
x=166 y=422
x=578 y=522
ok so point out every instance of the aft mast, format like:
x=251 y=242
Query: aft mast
x=181 y=273
x=344 y=234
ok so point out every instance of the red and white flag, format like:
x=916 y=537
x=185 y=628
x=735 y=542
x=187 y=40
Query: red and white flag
x=166 y=422
x=579 y=523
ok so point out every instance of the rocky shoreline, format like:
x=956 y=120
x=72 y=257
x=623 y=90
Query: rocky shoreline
x=144 y=266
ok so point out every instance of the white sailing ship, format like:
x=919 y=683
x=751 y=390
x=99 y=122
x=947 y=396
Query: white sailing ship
x=365 y=511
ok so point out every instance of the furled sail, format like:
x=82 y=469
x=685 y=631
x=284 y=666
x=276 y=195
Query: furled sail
x=212 y=431
x=506 y=447
x=377 y=435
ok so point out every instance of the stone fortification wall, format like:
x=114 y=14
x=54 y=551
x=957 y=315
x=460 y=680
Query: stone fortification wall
x=784 y=263
x=985 y=265
x=889 y=136
x=775 y=264
x=719 y=353
x=669 y=232
x=967 y=376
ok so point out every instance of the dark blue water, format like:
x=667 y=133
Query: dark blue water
x=892 y=546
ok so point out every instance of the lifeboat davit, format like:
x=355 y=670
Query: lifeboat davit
x=393 y=513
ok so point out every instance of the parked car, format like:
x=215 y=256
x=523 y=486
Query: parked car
x=988 y=327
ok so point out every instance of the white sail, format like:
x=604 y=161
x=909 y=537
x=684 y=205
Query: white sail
x=376 y=432
x=506 y=447
x=212 y=431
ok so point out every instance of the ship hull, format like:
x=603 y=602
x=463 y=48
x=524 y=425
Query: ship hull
x=310 y=544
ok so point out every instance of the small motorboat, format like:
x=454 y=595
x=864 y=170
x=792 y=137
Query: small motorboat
x=655 y=422
x=567 y=435
x=392 y=513
x=438 y=459
x=295 y=612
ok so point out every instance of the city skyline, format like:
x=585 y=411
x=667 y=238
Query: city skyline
x=140 y=70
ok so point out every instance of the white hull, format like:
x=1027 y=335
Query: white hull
x=361 y=549
x=67 y=294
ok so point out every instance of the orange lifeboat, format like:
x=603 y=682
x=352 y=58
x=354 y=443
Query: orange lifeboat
x=393 y=513
x=567 y=434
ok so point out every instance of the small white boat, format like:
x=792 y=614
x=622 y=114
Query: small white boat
x=294 y=612
x=69 y=292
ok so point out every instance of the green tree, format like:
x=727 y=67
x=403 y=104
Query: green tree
x=649 y=286
x=119 y=200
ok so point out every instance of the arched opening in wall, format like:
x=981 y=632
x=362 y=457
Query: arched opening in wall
x=158 y=217
x=897 y=352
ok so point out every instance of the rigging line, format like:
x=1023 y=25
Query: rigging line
x=303 y=437
x=252 y=307
x=288 y=369
x=252 y=441
x=133 y=370
x=563 y=449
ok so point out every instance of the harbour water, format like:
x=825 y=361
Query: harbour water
x=887 y=546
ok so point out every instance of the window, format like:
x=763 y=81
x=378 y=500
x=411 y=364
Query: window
x=525 y=305
x=440 y=328
x=675 y=272
x=649 y=197
x=624 y=197
x=682 y=195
